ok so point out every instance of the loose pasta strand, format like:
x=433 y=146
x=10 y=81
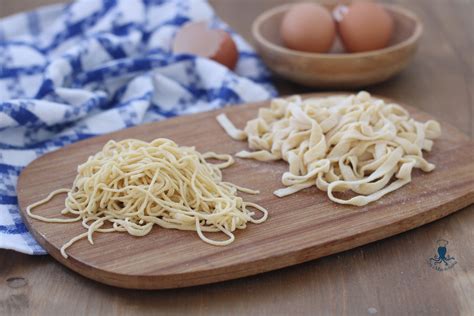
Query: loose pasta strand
x=133 y=185
x=356 y=143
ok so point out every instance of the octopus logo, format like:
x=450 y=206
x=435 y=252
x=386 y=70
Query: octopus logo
x=442 y=260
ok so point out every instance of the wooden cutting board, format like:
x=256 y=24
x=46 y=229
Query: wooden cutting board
x=300 y=227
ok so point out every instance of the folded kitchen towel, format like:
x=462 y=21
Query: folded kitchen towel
x=72 y=71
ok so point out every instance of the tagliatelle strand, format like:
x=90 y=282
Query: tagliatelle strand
x=339 y=143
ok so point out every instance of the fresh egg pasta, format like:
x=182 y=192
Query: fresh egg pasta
x=339 y=143
x=131 y=185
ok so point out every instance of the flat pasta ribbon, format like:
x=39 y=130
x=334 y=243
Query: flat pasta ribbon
x=339 y=143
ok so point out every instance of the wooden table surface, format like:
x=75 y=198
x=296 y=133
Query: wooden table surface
x=388 y=277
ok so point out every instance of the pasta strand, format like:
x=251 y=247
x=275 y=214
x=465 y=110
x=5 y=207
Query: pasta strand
x=131 y=185
x=357 y=143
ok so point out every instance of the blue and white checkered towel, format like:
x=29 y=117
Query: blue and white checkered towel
x=68 y=72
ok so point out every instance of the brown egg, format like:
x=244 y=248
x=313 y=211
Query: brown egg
x=198 y=39
x=308 y=27
x=365 y=26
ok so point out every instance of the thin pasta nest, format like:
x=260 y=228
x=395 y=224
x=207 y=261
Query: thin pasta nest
x=133 y=185
x=352 y=143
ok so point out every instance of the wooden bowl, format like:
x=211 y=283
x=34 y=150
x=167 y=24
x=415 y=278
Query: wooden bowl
x=337 y=69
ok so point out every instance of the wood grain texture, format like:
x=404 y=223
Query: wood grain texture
x=390 y=276
x=337 y=69
x=300 y=227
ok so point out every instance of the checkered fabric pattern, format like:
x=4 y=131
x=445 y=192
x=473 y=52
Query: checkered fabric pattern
x=69 y=72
